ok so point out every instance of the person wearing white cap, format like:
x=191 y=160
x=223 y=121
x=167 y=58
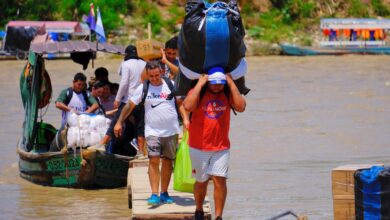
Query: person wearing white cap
x=210 y=102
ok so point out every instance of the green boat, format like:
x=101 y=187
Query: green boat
x=60 y=166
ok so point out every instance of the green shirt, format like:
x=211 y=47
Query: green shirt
x=77 y=102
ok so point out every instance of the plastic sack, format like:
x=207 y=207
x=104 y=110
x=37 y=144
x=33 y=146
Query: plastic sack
x=182 y=178
x=211 y=35
x=86 y=129
x=372 y=193
x=85 y=136
x=73 y=137
x=95 y=138
x=72 y=119
x=84 y=120
x=97 y=123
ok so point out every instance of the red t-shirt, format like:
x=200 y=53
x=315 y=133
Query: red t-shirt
x=210 y=122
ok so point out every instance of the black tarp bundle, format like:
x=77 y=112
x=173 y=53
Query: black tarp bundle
x=372 y=193
x=211 y=35
x=19 y=38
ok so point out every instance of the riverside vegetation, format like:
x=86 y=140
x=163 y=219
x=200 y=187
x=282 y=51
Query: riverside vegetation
x=268 y=22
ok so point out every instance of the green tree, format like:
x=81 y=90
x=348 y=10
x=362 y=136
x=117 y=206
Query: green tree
x=150 y=13
x=8 y=11
x=27 y=10
x=109 y=9
x=380 y=8
x=358 y=9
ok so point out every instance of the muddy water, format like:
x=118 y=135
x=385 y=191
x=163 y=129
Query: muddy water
x=305 y=116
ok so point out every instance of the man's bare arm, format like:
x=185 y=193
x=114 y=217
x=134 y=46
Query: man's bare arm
x=126 y=111
x=236 y=99
x=62 y=107
x=192 y=99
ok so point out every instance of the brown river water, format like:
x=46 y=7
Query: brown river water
x=304 y=116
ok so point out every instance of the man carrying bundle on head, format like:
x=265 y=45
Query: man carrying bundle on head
x=210 y=102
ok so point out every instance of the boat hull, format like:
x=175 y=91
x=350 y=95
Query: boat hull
x=64 y=169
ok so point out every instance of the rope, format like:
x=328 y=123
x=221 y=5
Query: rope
x=66 y=164
x=283 y=214
x=220 y=4
x=43 y=114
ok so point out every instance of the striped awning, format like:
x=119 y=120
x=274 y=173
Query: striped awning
x=74 y=47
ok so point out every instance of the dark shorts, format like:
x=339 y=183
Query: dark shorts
x=162 y=146
x=110 y=131
x=138 y=114
x=139 y=117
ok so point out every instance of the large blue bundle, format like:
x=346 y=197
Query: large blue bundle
x=372 y=193
x=212 y=36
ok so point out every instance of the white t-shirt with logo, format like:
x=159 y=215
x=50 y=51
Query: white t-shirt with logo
x=160 y=114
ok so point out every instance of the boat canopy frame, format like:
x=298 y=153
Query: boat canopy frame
x=354 y=23
x=75 y=46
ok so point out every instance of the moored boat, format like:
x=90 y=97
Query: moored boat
x=44 y=157
x=347 y=36
x=64 y=169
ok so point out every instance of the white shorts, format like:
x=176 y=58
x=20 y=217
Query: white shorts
x=209 y=163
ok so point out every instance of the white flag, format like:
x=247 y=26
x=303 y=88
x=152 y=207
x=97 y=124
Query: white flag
x=99 y=29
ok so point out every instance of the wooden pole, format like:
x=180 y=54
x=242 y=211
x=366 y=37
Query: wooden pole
x=149 y=31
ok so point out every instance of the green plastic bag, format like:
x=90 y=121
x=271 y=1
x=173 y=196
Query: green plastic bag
x=182 y=175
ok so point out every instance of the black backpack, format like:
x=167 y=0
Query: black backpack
x=146 y=84
x=69 y=95
x=86 y=95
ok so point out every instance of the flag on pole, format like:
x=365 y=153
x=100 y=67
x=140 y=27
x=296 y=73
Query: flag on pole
x=91 y=17
x=99 y=29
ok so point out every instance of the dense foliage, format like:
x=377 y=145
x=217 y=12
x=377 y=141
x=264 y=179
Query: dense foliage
x=270 y=21
x=63 y=10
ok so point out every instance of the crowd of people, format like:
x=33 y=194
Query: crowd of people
x=145 y=118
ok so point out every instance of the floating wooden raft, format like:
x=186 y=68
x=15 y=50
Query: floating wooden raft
x=139 y=191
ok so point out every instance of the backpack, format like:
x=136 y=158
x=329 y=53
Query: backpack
x=69 y=95
x=86 y=95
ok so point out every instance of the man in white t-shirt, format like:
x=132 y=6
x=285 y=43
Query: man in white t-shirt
x=161 y=129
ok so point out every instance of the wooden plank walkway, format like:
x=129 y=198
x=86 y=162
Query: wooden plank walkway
x=139 y=191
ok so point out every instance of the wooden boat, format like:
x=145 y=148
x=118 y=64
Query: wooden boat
x=347 y=36
x=38 y=162
x=64 y=169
